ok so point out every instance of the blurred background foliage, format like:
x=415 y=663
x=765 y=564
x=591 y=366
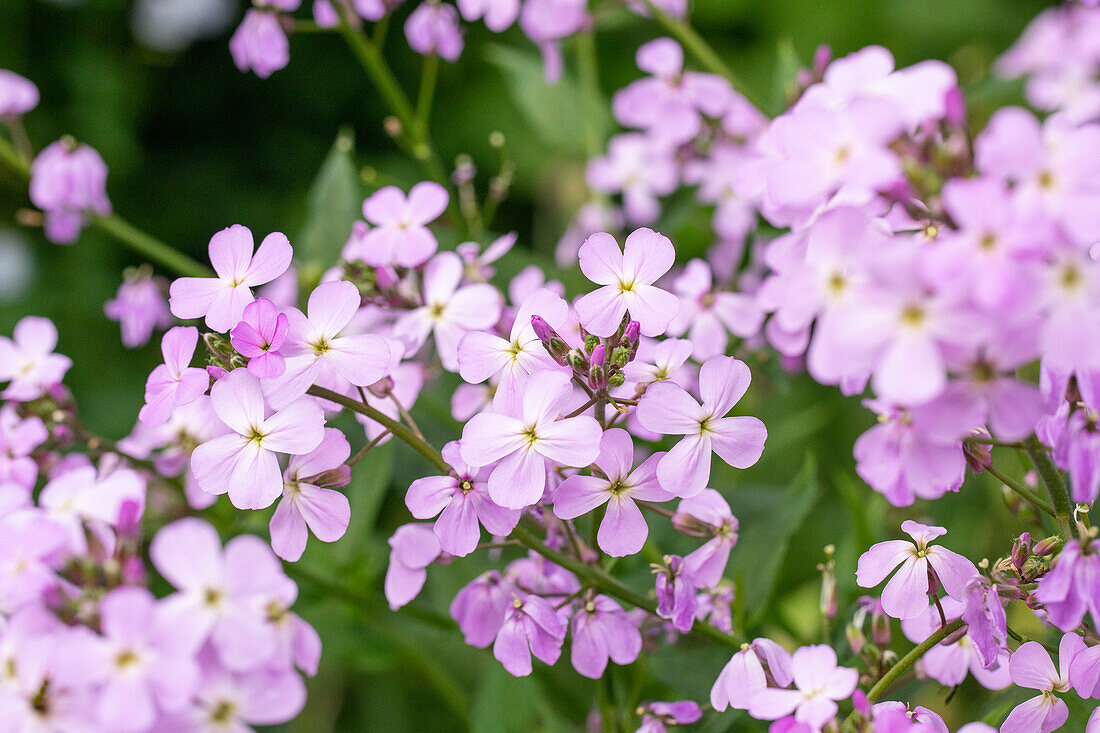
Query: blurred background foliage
x=193 y=146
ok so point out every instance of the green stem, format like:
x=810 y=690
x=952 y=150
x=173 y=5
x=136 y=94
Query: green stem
x=1021 y=490
x=894 y=673
x=1056 y=486
x=588 y=74
x=428 y=76
x=697 y=46
x=13 y=160
x=149 y=246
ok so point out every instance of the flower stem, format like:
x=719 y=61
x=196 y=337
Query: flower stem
x=1056 y=486
x=700 y=49
x=1022 y=490
x=428 y=75
x=894 y=673
x=19 y=164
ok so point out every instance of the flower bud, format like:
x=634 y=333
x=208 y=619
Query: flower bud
x=619 y=357
x=577 y=360
x=382 y=388
x=1021 y=550
x=551 y=341
x=978 y=456
x=618 y=379
x=631 y=338
x=590 y=343
x=597 y=371
x=1047 y=546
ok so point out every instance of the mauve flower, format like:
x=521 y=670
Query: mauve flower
x=140 y=308
x=448 y=311
x=627 y=278
x=244 y=462
x=1070 y=588
x=259 y=336
x=309 y=501
x=18 y=439
x=68 y=181
x=668 y=409
x=27 y=361
x=706 y=564
x=948 y=664
x=260 y=44
x=906 y=595
x=318 y=351
x=709 y=315
x=434 y=29
x=461 y=499
x=602 y=630
x=639 y=168
x=147 y=663
x=222 y=299
x=676 y=601
x=986 y=625
x=498 y=14
x=657 y=715
x=746 y=674
x=173 y=383
x=546 y=22
x=524 y=440
x=17 y=94
x=1031 y=667
x=85 y=502
x=819 y=682
x=480 y=607
x=1084 y=672
x=413 y=547
x=401 y=236
x=235 y=702
x=623 y=529
x=222 y=595
x=32 y=550
x=532 y=626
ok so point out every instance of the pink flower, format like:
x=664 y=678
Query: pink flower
x=17 y=95
x=448 y=311
x=641 y=169
x=531 y=627
x=906 y=595
x=315 y=351
x=949 y=664
x=1031 y=667
x=627 y=279
x=524 y=440
x=309 y=500
x=434 y=29
x=623 y=529
x=1069 y=589
x=746 y=674
x=173 y=383
x=234 y=702
x=668 y=409
x=68 y=182
x=401 y=236
x=27 y=361
x=413 y=548
x=260 y=43
x=85 y=502
x=602 y=630
x=707 y=564
x=244 y=462
x=18 y=439
x=498 y=14
x=480 y=607
x=461 y=499
x=147 y=663
x=485 y=356
x=140 y=307
x=259 y=336
x=819 y=682
x=225 y=596
x=222 y=299
x=676 y=599
x=709 y=315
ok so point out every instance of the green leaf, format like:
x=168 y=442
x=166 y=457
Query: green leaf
x=552 y=111
x=332 y=207
x=503 y=703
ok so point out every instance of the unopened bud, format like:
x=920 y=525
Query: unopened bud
x=553 y=343
x=590 y=343
x=631 y=338
x=382 y=388
x=597 y=370
x=331 y=479
x=577 y=360
x=1046 y=547
x=392 y=126
x=620 y=357
x=978 y=456
x=385 y=277
x=1021 y=550
x=618 y=379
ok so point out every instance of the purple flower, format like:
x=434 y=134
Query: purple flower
x=222 y=299
x=639 y=168
x=603 y=630
x=27 y=361
x=244 y=462
x=627 y=279
x=1031 y=667
x=707 y=564
x=260 y=44
x=668 y=409
x=309 y=501
x=532 y=626
x=748 y=671
x=17 y=95
x=68 y=181
x=461 y=499
x=173 y=383
x=676 y=599
x=480 y=607
x=949 y=663
x=623 y=529
x=401 y=235
x=708 y=316
x=18 y=470
x=434 y=29
x=140 y=307
x=524 y=440
x=413 y=548
x=656 y=716
x=906 y=595
x=1071 y=587
x=819 y=683
x=986 y=626
x=498 y=14
x=259 y=336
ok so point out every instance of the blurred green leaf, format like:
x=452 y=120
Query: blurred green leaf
x=332 y=207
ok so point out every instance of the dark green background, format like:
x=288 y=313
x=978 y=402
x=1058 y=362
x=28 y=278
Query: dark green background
x=194 y=146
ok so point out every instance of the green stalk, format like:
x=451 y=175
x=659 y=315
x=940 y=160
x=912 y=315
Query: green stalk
x=894 y=673
x=1022 y=490
x=429 y=73
x=1056 y=486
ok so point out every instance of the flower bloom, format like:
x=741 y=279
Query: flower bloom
x=707 y=564
x=668 y=409
x=413 y=548
x=27 y=361
x=173 y=383
x=140 y=307
x=309 y=501
x=68 y=181
x=498 y=14
x=1069 y=589
x=244 y=462
x=526 y=439
x=819 y=682
x=222 y=299
x=627 y=278
x=259 y=336
x=434 y=29
x=401 y=235
x=17 y=94
x=260 y=44
x=461 y=499
x=623 y=529
x=906 y=595
x=749 y=671
x=531 y=627
x=602 y=630
x=1031 y=667
x=480 y=607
